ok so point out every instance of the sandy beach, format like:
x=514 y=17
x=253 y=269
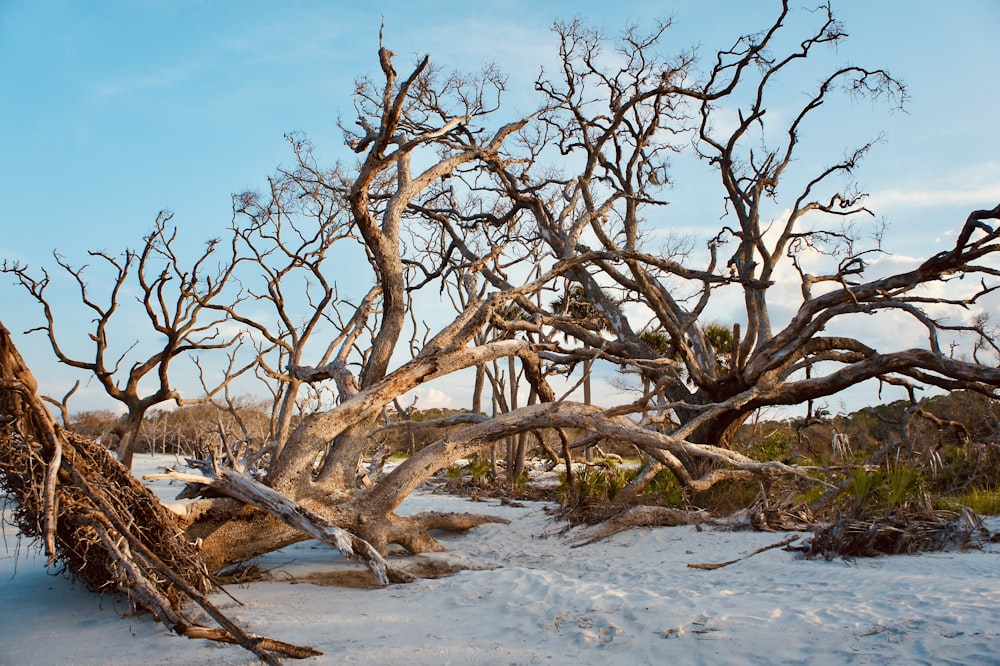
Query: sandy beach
x=527 y=597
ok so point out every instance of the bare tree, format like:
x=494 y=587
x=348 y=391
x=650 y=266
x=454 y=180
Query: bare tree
x=447 y=198
x=492 y=209
x=622 y=122
x=286 y=298
x=63 y=405
x=171 y=299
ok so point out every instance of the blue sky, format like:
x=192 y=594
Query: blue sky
x=113 y=111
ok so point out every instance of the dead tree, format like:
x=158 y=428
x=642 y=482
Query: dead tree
x=282 y=241
x=486 y=204
x=444 y=197
x=622 y=123
x=172 y=299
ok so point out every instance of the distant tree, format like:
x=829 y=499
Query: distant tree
x=93 y=423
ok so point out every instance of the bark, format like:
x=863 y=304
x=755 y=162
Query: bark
x=300 y=518
x=127 y=438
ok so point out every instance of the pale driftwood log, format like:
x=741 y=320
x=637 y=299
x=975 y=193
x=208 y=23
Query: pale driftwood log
x=245 y=489
x=642 y=516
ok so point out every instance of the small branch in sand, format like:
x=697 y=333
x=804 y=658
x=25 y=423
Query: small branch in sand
x=718 y=565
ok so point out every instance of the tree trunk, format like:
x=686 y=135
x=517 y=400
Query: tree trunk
x=125 y=449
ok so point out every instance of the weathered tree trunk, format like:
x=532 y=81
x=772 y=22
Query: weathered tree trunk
x=127 y=439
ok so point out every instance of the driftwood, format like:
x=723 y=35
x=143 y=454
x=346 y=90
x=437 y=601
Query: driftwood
x=642 y=516
x=238 y=486
x=712 y=566
x=97 y=522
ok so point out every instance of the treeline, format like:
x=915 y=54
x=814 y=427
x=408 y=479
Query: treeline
x=955 y=435
x=200 y=429
x=952 y=440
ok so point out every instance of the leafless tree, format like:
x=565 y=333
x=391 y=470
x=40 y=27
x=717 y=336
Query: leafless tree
x=286 y=297
x=63 y=405
x=171 y=298
x=621 y=118
x=449 y=198
x=567 y=194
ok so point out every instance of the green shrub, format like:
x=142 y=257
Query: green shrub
x=597 y=482
x=480 y=470
x=809 y=495
x=666 y=489
x=902 y=484
x=729 y=495
x=863 y=483
x=775 y=446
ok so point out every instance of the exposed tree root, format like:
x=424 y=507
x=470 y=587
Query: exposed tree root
x=97 y=522
x=898 y=533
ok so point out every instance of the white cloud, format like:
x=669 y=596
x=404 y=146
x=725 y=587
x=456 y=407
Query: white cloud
x=975 y=184
x=427 y=397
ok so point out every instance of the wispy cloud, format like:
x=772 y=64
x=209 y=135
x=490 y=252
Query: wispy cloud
x=973 y=186
x=975 y=196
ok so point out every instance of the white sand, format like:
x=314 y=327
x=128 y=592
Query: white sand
x=529 y=598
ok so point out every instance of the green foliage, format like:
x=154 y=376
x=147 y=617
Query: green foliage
x=657 y=340
x=579 y=306
x=728 y=496
x=862 y=484
x=810 y=494
x=665 y=490
x=885 y=491
x=902 y=484
x=775 y=446
x=597 y=483
x=481 y=470
x=592 y=483
x=720 y=337
x=520 y=484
